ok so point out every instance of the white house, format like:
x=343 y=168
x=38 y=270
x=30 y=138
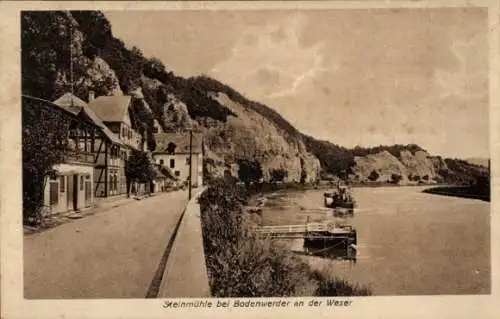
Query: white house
x=172 y=151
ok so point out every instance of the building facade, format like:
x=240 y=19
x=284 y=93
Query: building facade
x=172 y=151
x=70 y=188
x=115 y=114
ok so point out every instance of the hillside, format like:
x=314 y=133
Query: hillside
x=238 y=132
x=402 y=164
x=478 y=161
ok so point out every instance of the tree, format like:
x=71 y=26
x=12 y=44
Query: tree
x=278 y=175
x=373 y=176
x=45 y=39
x=138 y=168
x=249 y=171
x=396 y=178
x=44 y=137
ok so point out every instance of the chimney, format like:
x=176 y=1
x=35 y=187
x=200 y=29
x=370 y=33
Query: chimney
x=91 y=95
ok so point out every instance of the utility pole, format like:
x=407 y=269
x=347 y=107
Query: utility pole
x=190 y=161
x=70 y=29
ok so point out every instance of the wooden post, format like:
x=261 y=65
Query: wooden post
x=190 y=161
x=106 y=169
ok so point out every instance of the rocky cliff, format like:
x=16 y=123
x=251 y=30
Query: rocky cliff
x=238 y=132
x=418 y=167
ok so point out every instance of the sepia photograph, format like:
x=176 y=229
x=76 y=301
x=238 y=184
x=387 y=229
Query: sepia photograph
x=245 y=154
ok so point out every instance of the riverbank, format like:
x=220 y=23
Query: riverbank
x=393 y=256
x=240 y=264
x=460 y=191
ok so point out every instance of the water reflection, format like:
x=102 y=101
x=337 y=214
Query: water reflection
x=408 y=242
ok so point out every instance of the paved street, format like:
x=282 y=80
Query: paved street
x=113 y=254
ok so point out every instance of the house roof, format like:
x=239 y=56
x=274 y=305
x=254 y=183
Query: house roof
x=110 y=108
x=75 y=105
x=70 y=103
x=181 y=141
x=92 y=116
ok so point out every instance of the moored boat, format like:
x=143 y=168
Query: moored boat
x=341 y=197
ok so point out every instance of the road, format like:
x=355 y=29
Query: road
x=112 y=254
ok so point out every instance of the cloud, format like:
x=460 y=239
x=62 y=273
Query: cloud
x=269 y=61
x=463 y=81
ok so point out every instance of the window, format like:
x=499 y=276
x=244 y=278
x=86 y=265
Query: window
x=177 y=173
x=54 y=193
x=62 y=185
x=111 y=182
x=172 y=163
x=81 y=183
x=123 y=131
x=187 y=161
x=162 y=162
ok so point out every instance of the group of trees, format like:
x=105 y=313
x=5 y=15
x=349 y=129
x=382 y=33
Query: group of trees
x=138 y=168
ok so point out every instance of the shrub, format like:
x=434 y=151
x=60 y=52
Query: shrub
x=373 y=176
x=249 y=171
x=278 y=175
x=396 y=178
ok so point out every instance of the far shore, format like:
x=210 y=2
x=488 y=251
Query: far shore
x=460 y=191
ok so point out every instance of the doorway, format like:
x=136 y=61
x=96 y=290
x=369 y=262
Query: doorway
x=75 y=192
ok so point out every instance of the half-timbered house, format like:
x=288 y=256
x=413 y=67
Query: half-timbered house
x=116 y=114
x=110 y=151
x=71 y=188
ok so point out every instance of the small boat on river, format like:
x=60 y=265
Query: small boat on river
x=340 y=197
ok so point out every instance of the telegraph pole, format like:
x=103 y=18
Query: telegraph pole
x=190 y=161
x=71 y=57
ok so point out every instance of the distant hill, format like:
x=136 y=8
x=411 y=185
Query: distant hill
x=478 y=161
x=402 y=164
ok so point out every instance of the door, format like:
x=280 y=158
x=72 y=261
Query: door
x=70 y=194
x=75 y=192
x=88 y=191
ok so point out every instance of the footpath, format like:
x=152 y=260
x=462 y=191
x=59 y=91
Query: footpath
x=113 y=254
x=100 y=205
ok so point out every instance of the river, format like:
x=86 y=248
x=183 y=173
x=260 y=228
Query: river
x=409 y=242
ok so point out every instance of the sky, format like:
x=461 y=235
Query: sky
x=351 y=76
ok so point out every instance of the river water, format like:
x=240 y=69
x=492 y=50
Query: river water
x=409 y=242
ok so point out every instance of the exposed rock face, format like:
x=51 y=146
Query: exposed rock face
x=439 y=164
x=412 y=168
x=249 y=135
x=419 y=165
x=176 y=114
x=171 y=113
x=89 y=75
x=384 y=164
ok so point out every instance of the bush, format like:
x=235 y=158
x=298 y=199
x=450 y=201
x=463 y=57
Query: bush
x=373 y=176
x=396 y=178
x=278 y=175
